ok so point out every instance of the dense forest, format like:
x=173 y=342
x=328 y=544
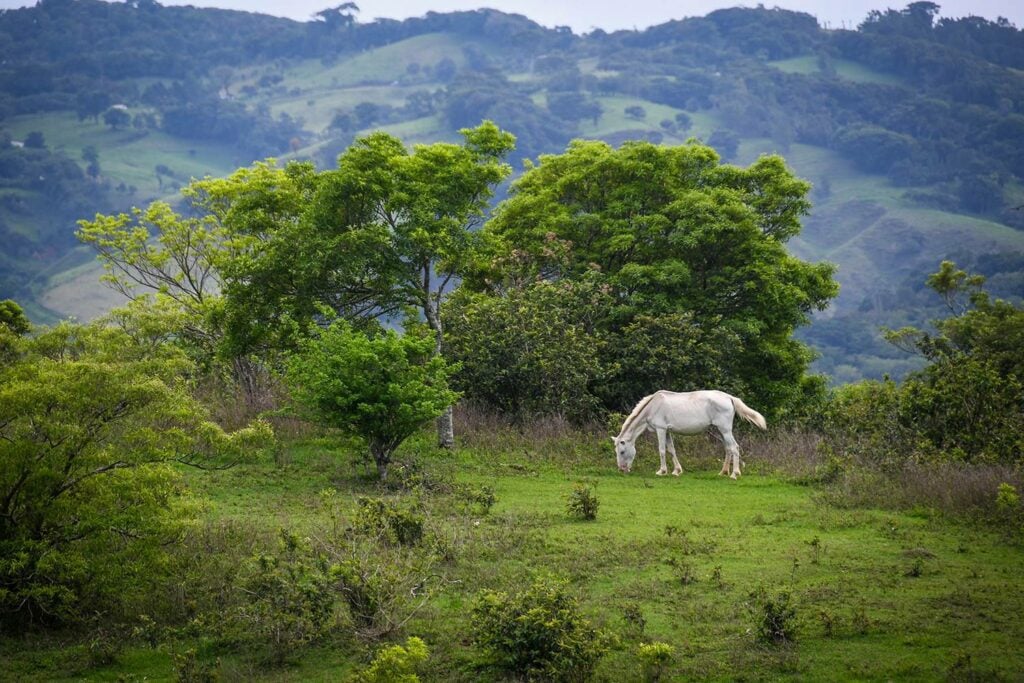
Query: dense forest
x=902 y=125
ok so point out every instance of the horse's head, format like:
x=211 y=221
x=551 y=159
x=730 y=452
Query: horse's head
x=625 y=451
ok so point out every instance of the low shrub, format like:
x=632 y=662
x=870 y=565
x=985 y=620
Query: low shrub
x=288 y=600
x=395 y=664
x=654 y=660
x=538 y=633
x=582 y=502
x=775 y=618
x=397 y=523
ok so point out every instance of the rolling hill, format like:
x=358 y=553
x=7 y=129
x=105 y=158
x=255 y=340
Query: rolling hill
x=908 y=167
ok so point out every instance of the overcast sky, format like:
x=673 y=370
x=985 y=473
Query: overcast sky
x=606 y=14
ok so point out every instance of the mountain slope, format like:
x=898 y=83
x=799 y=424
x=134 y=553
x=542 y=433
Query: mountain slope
x=910 y=129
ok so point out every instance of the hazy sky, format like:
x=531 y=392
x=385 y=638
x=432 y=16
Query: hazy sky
x=606 y=14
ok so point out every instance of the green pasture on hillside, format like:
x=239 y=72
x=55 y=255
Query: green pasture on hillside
x=845 y=68
x=129 y=156
x=879 y=595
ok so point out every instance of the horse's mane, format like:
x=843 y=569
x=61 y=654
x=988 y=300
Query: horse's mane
x=636 y=412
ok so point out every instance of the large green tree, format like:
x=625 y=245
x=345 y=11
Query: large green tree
x=92 y=418
x=675 y=231
x=384 y=233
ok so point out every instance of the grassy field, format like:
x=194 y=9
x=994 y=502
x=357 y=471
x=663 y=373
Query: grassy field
x=845 y=68
x=878 y=594
x=129 y=156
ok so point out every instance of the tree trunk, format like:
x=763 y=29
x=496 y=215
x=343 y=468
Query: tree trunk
x=445 y=423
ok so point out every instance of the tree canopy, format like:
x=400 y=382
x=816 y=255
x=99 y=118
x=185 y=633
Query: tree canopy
x=674 y=231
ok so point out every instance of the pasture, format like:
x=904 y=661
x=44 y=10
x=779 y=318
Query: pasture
x=877 y=594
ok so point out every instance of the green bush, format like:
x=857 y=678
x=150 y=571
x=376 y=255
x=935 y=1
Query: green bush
x=538 y=633
x=395 y=664
x=775 y=618
x=654 y=659
x=393 y=522
x=92 y=420
x=380 y=388
x=582 y=502
x=288 y=600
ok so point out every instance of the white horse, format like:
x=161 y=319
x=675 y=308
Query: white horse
x=683 y=413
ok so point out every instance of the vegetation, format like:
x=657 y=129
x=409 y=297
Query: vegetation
x=231 y=476
x=380 y=388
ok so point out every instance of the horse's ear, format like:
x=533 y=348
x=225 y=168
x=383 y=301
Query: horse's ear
x=613 y=439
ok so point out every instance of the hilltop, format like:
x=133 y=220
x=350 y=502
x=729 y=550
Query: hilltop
x=910 y=129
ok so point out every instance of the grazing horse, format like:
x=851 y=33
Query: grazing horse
x=683 y=413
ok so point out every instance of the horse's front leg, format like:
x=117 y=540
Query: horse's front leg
x=662 y=434
x=677 y=469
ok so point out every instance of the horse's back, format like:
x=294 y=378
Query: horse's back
x=690 y=411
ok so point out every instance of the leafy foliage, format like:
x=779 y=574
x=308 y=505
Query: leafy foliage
x=538 y=633
x=380 y=387
x=90 y=421
x=395 y=663
x=289 y=600
x=673 y=231
x=582 y=501
x=965 y=404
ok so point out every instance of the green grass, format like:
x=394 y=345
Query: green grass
x=845 y=68
x=129 y=156
x=879 y=594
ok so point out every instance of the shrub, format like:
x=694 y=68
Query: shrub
x=380 y=388
x=582 y=502
x=392 y=522
x=288 y=600
x=395 y=664
x=775 y=618
x=538 y=633
x=654 y=659
x=91 y=420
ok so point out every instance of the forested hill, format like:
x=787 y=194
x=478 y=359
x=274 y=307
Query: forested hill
x=911 y=128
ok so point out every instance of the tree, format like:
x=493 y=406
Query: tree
x=115 y=117
x=170 y=264
x=726 y=143
x=676 y=232
x=636 y=112
x=380 y=387
x=91 y=419
x=387 y=230
x=92 y=159
x=35 y=140
x=966 y=402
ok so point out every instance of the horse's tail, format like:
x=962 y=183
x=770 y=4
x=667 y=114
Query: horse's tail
x=748 y=413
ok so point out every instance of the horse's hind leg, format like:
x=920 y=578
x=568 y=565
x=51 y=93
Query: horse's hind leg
x=732 y=451
x=662 y=435
x=677 y=469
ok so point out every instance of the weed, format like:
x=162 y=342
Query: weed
x=861 y=622
x=775 y=617
x=828 y=623
x=582 y=502
x=915 y=569
x=684 y=571
x=815 y=544
x=634 y=617
x=188 y=669
x=716 y=577
x=654 y=660
x=538 y=633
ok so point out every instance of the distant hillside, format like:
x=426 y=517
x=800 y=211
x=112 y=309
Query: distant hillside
x=910 y=129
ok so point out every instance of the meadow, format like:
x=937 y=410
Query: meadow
x=877 y=591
